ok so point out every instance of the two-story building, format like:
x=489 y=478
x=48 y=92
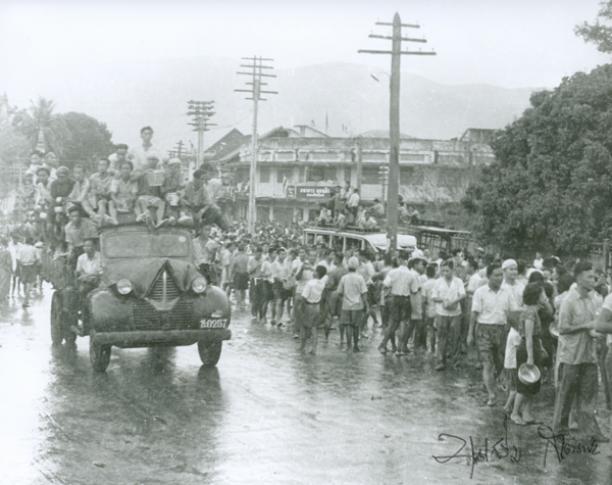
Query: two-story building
x=298 y=167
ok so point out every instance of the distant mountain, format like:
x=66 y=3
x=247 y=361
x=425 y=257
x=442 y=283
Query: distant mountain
x=352 y=98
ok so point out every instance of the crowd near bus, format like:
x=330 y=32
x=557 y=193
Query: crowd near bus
x=531 y=324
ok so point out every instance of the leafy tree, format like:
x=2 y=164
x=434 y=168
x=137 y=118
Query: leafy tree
x=74 y=137
x=551 y=185
x=83 y=138
x=599 y=32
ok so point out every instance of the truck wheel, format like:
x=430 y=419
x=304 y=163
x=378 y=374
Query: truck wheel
x=99 y=356
x=56 y=319
x=209 y=352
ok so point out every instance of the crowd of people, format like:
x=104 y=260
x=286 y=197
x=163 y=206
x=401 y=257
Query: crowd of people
x=529 y=323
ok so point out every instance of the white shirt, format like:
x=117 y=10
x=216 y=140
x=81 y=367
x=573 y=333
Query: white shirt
x=516 y=292
x=313 y=289
x=87 y=266
x=27 y=254
x=401 y=281
x=138 y=155
x=492 y=306
x=475 y=282
x=448 y=292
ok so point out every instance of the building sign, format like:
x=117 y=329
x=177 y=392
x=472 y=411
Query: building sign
x=311 y=192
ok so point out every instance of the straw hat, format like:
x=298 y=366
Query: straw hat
x=528 y=374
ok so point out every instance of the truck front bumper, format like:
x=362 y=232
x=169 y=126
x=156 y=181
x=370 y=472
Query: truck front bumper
x=145 y=338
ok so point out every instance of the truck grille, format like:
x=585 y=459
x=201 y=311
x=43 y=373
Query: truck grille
x=146 y=317
x=164 y=288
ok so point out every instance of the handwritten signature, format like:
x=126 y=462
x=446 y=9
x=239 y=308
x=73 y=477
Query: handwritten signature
x=500 y=449
x=565 y=445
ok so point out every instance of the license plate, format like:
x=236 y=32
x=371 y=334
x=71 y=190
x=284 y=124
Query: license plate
x=213 y=323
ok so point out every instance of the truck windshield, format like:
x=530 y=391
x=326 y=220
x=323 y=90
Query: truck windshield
x=145 y=245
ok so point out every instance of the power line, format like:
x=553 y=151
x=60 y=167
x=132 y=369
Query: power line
x=396 y=53
x=255 y=71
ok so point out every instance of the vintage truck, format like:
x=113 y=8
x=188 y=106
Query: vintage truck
x=150 y=294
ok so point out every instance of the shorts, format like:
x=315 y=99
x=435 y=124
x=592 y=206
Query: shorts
x=27 y=273
x=311 y=315
x=491 y=342
x=373 y=294
x=241 y=281
x=352 y=318
x=150 y=200
x=287 y=293
x=277 y=290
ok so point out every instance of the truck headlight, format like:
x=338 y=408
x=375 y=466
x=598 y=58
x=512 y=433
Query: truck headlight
x=199 y=284
x=124 y=287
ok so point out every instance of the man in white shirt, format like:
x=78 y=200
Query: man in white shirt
x=447 y=294
x=88 y=272
x=312 y=295
x=492 y=305
x=511 y=282
x=138 y=154
x=402 y=283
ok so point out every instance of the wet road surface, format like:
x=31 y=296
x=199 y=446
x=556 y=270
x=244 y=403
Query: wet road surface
x=266 y=415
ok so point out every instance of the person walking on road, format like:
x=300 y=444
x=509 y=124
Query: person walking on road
x=354 y=293
x=447 y=294
x=578 y=373
x=491 y=309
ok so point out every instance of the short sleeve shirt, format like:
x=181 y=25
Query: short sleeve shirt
x=448 y=292
x=352 y=286
x=493 y=307
x=580 y=347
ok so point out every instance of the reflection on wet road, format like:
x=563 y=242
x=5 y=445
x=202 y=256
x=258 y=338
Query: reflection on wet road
x=266 y=415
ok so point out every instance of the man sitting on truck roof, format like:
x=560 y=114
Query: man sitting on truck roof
x=150 y=206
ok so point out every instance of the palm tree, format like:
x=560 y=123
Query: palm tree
x=42 y=112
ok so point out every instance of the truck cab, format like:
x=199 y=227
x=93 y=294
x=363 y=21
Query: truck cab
x=152 y=294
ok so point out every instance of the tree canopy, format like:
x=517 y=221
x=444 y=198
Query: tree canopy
x=550 y=188
x=599 y=32
x=74 y=137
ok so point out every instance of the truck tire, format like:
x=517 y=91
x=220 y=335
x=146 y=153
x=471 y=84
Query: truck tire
x=57 y=333
x=99 y=356
x=210 y=352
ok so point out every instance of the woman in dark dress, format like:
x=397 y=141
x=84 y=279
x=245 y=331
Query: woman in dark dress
x=529 y=351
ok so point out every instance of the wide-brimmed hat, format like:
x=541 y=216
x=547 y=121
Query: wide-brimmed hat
x=529 y=374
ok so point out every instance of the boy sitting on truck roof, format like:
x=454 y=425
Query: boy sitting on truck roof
x=150 y=206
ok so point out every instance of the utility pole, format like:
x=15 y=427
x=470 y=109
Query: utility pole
x=394 y=108
x=200 y=112
x=255 y=70
x=179 y=148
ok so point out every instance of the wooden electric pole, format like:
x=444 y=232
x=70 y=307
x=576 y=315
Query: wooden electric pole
x=255 y=72
x=394 y=109
x=200 y=112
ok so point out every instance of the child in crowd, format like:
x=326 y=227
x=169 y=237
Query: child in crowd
x=513 y=340
x=311 y=310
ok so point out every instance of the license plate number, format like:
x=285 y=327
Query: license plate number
x=213 y=323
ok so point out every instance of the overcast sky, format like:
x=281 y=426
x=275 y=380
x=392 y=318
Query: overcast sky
x=511 y=43
x=514 y=43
